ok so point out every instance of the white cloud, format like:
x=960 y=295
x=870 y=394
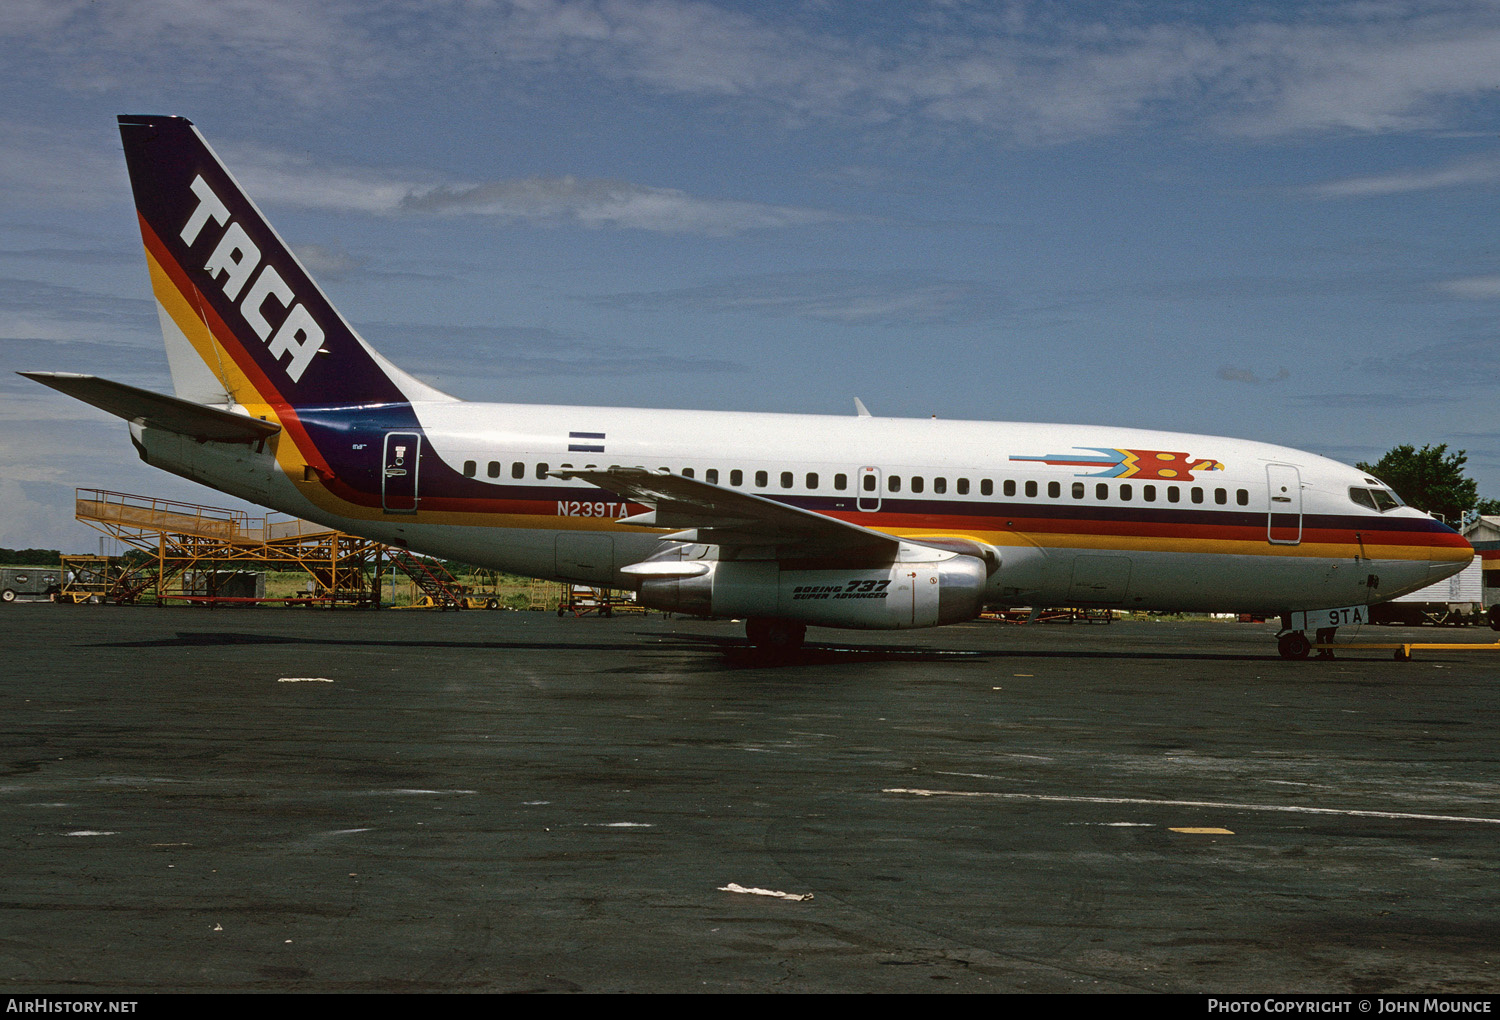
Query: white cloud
x=548 y=201
x=1479 y=170
x=1041 y=73
x=1474 y=288
x=835 y=296
x=603 y=203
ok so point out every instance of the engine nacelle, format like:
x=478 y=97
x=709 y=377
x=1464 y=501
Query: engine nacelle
x=894 y=596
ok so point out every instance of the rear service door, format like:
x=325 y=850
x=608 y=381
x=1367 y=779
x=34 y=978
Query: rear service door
x=398 y=483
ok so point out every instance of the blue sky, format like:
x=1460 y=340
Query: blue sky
x=1267 y=220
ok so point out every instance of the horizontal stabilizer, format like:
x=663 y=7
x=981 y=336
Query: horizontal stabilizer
x=158 y=411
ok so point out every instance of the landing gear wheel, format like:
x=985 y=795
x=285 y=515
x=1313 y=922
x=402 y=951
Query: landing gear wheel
x=775 y=635
x=1294 y=645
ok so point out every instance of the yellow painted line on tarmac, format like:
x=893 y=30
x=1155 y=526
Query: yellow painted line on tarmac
x=1403 y=649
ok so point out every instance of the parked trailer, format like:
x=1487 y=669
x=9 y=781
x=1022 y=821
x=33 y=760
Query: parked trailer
x=29 y=584
x=1449 y=603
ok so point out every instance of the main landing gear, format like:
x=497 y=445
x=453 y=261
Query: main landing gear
x=776 y=636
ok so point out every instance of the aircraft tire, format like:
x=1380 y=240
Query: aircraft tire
x=1294 y=646
x=7 y=595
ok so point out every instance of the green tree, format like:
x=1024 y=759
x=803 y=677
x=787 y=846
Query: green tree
x=1431 y=479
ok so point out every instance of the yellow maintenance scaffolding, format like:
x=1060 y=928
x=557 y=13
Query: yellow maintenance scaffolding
x=192 y=551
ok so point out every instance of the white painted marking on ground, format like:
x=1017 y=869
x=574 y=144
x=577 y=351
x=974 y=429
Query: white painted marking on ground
x=90 y=832
x=1220 y=805
x=303 y=680
x=735 y=887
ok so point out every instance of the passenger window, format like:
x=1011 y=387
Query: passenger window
x=1010 y=486
x=736 y=477
x=786 y=479
x=1242 y=497
x=812 y=480
x=541 y=471
x=1173 y=494
x=470 y=469
x=917 y=484
x=893 y=482
x=1054 y=490
x=761 y=478
x=687 y=472
x=1148 y=493
x=1125 y=492
x=1078 y=490
x=518 y=470
x=494 y=469
x=869 y=483
x=1221 y=496
x=1031 y=489
x=987 y=487
x=1196 y=494
x=940 y=485
x=840 y=482
x=963 y=486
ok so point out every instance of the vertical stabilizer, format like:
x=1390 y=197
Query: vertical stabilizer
x=243 y=321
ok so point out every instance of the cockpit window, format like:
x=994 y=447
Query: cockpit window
x=1376 y=499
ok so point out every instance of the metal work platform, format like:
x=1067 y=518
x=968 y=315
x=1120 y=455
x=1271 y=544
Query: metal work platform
x=189 y=546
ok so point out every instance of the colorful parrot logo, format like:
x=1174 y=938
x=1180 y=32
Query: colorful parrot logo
x=1147 y=465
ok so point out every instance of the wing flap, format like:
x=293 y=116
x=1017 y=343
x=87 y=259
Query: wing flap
x=713 y=515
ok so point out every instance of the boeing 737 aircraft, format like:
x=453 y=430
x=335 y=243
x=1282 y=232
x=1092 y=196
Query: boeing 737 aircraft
x=785 y=520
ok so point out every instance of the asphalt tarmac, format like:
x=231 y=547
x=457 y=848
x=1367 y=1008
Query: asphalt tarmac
x=304 y=800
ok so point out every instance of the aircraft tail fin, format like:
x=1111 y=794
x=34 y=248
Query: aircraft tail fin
x=243 y=320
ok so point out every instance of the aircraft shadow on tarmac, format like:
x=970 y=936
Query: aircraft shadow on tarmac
x=736 y=652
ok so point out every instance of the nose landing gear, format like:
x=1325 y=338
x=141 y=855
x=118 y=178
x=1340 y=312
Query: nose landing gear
x=1294 y=645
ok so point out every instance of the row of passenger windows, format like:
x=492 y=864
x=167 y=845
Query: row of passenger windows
x=1125 y=492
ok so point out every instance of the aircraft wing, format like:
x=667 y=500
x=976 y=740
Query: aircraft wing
x=158 y=411
x=713 y=515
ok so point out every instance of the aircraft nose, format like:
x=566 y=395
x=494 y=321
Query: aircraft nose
x=1443 y=561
